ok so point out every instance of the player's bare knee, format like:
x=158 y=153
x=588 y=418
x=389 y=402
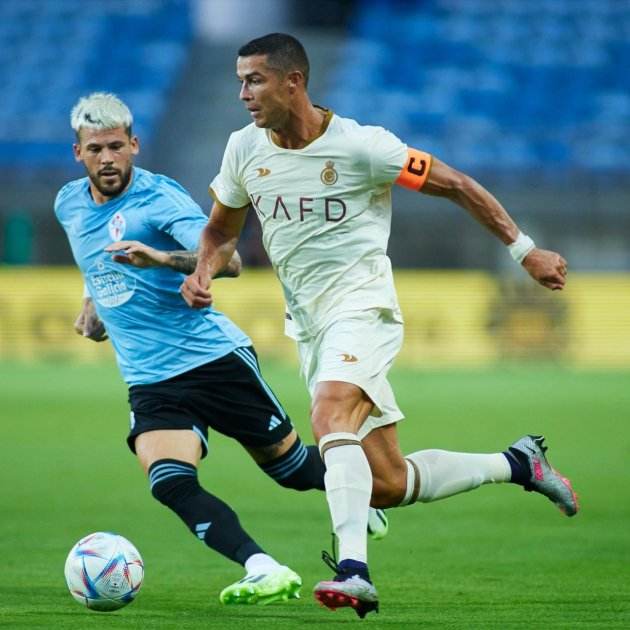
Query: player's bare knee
x=337 y=408
x=326 y=417
x=323 y=425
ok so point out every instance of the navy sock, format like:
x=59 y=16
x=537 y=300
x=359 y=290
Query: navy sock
x=519 y=466
x=174 y=483
x=354 y=567
x=300 y=468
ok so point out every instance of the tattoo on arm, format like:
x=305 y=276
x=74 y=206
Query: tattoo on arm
x=183 y=261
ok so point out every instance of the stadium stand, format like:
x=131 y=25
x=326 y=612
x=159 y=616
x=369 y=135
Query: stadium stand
x=53 y=52
x=494 y=84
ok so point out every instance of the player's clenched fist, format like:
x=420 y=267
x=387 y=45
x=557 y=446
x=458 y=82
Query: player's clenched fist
x=88 y=324
x=196 y=290
x=546 y=267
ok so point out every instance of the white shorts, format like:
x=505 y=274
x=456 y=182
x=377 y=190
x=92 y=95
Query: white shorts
x=358 y=348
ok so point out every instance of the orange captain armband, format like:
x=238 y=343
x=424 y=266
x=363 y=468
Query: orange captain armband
x=416 y=169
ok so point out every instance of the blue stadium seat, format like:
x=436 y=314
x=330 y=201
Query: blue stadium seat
x=538 y=84
x=51 y=53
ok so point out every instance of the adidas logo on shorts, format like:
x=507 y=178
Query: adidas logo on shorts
x=273 y=423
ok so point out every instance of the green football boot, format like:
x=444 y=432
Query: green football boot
x=277 y=585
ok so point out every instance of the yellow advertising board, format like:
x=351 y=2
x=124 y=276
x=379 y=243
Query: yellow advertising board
x=452 y=318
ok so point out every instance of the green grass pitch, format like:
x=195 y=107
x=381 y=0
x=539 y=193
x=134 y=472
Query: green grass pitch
x=494 y=558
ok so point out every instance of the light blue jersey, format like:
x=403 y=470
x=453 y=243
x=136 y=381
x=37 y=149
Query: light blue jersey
x=155 y=334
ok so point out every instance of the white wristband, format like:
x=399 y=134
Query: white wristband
x=521 y=247
x=86 y=292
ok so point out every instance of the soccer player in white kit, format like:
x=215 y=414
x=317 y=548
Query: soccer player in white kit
x=321 y=188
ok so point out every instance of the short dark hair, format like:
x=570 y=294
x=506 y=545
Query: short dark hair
x=284 y=52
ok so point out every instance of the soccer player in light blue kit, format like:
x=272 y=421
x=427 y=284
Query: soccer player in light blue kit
x=186 y=369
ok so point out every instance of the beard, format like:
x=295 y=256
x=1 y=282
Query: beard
x=112 y=184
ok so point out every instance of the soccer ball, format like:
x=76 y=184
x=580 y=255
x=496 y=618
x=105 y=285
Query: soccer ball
x=104 y=571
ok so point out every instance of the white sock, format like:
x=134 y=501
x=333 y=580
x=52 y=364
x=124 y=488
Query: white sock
x=444 y=473
x=260 y=563
x=348 y=481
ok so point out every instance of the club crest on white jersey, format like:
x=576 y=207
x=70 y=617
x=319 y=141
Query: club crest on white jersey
x=117 y=226
x=329 y=175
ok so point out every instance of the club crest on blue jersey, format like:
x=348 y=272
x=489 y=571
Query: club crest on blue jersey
x=117 y=226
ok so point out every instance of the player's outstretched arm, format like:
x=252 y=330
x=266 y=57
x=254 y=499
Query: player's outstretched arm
x=87 y=324
x=216 y=247
x=546 y=267
x=185 y=261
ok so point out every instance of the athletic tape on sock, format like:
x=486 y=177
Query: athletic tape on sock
x=413 y=484
x=331 y=440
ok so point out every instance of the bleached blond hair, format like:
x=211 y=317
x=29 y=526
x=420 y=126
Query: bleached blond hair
x=100 y=110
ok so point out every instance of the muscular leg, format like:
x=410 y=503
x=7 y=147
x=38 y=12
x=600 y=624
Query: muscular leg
x=338 y=411
x=170 y=458
x=375 y=471
x=389 y=470
x=434 y=474
x=426 y=475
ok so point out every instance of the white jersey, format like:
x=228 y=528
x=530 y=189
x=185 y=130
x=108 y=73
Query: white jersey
x=325 y=212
